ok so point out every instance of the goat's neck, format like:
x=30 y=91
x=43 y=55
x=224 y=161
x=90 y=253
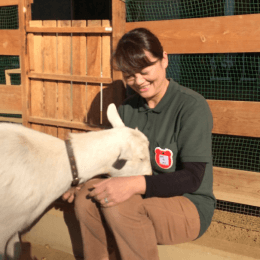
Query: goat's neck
x=60 y=173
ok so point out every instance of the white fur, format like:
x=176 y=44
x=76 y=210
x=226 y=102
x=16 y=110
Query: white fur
x=35 y=170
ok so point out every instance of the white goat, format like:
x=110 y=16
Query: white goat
x=35 y=169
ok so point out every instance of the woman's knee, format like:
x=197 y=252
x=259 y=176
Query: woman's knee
x=124 y=211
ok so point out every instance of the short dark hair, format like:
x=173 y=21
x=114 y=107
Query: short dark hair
x=129 y=56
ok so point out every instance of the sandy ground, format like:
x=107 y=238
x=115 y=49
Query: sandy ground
x=238 y=228
x=199 y=250
x=38 y=252
x=230 y=236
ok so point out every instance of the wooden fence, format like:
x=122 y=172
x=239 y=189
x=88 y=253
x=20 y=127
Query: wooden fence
x=230 y=34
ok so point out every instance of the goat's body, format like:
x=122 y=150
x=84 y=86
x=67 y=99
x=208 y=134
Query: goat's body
x=35 y=171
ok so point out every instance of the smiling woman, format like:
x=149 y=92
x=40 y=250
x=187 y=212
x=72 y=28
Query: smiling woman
x=128 y=217
x=150 y=83
x=143 y=63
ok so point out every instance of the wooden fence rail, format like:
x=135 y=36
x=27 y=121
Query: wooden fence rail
x=227 y=34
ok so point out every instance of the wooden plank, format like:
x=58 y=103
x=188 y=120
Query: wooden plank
x=74 y=78
x=63 y=123
x=35 y=42
x=98 y=30
x=50 y=66
x=30 y=40
x=106 y=52
x=36 y=86
x=118 y=24
x=79 y=68
x=94 y=69
x=10 y=42
x=237 y=186
x=64 y=88
x=118 y=21
x=11 y=97
x=24 y=11
x=107 y=94
x=226 y=34
x=94 y=51
x=236 y=117
x=10 y=111
x=8 y=2
x=23 y=17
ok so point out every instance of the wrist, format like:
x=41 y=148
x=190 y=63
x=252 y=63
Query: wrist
x=140 y=184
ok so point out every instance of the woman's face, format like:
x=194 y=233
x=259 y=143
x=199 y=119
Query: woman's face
x=150 y=83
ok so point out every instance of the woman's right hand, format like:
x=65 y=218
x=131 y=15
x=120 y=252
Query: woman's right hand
x=69 y=195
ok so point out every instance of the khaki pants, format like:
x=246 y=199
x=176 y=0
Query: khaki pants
x=132 y=230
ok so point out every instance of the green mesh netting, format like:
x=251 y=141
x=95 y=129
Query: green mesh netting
x=233 y=76
x=151 y=10
x=218 y=76
x=10 y=116
x=239 y=208
x=9 y=17
x=236 y=152
x=9 y=62
x=8 y=21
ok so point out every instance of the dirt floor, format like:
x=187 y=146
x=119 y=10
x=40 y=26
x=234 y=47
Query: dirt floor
x=231 y=233
x=237 y=228
x=199 y=250
x=38 y=252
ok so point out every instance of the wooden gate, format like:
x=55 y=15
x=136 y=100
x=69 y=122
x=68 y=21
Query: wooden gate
x=69 y=70
x=66 y=75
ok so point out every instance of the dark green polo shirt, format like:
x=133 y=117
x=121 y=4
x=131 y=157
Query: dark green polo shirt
x=179 y=130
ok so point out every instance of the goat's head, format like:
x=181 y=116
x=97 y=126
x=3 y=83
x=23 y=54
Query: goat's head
x=134 y=156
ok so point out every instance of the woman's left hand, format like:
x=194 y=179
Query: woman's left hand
x=117 y=189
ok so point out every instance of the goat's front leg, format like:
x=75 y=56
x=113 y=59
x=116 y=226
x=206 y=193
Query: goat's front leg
x=13 y=249
x=3 y=241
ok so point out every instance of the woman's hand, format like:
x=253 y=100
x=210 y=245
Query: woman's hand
x=116 y=190
x=70 y=194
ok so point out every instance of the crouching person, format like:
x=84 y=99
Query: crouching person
x=127 y=217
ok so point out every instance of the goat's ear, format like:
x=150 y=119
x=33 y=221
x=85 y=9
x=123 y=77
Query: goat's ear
x=126 y=153
x=113 y=116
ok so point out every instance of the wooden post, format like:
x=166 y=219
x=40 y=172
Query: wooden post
x=118 y=24
x=118 y=21
x=24 y=10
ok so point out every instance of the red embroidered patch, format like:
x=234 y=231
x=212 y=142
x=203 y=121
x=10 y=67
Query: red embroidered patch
x=163 y=157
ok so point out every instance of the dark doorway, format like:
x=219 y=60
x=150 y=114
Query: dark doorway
x=71 y=10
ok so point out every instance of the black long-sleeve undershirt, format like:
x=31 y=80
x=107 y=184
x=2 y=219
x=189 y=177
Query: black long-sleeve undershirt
x=176 y=183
